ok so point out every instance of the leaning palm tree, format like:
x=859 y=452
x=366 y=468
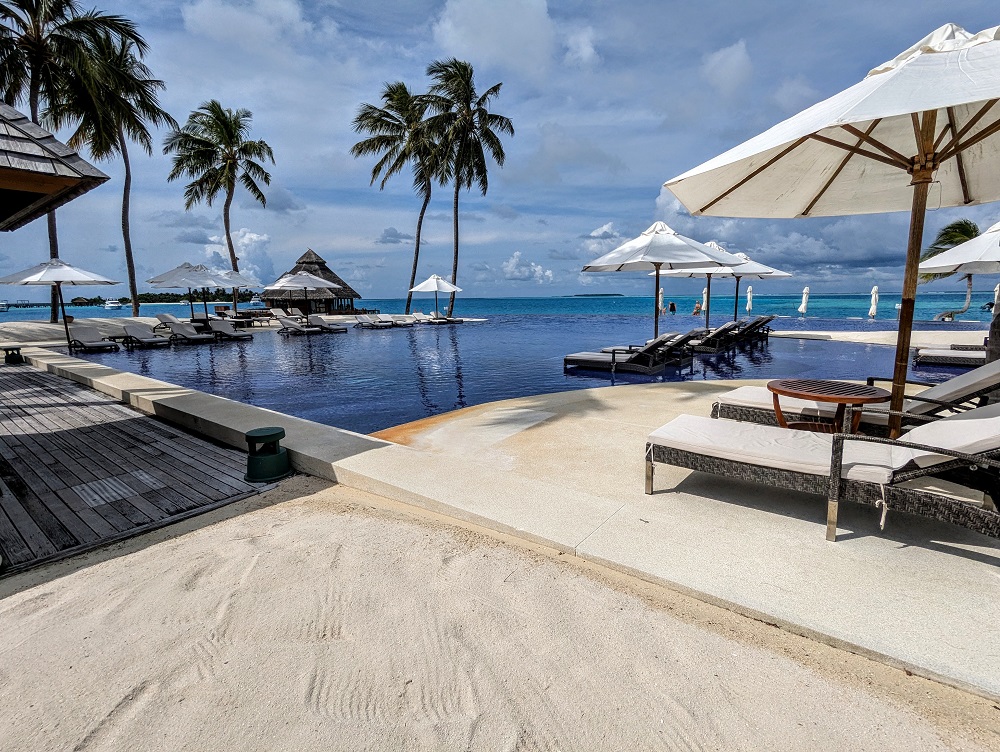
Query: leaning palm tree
x=468 y=130
x=42 y=42
x=399 y=136
x=213 y=149
x=950 y=236
x=112 y=110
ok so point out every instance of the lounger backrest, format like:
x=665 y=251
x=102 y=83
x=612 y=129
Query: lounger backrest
x=973 y=432
x=364 y=318
x=167 y=318
x=278 y=313
x=140 y=331
x=85 y=333
x=182 y=328
x=958 y=389
x=221 y=326
x=655 y=344
x=316 y=320
x=385 y=317
x=296 y=312
x=289 y=323
x=722 y=330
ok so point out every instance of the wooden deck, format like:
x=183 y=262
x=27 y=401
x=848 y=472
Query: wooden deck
x=79 y=470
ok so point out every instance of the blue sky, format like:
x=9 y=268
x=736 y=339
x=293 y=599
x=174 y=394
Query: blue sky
x=609 y=100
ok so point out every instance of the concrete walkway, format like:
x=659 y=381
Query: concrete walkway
x=566 y=470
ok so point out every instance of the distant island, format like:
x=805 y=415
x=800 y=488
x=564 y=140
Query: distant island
x=596 y=295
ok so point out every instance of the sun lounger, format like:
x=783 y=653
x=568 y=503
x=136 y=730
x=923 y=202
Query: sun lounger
x=88 y=339
x=316 y=320
x=450 y=319
x=182 y=332
x=166 y=318
x=950 y=357
x=295 y=313
x=632 y=348
x=290 y=326
x=225 y=330
x=948 y=470
x=367 y=322
x=720 y=338
x=757 y=329
x=651 y=359
x=755 y=403
x=393 y=320
x=278 y=313
x=142 y=335
x=423 y=318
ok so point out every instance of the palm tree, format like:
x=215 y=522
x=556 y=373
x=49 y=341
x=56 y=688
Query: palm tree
x=213 y=149
x=112 y=110
x=951 y=235
x=468 y=130
x=42 y=43
x=399 y=136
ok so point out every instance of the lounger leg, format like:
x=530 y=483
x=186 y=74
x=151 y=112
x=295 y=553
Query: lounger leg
x=649 y=476
x=831 y=519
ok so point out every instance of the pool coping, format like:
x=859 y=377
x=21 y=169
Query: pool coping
x=427 y=481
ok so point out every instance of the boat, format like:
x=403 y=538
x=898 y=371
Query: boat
x=184 y=302
x=112 y=305
x=256 y=302
x=4 y=306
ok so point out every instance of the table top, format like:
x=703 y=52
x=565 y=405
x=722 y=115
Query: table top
x=823 y=390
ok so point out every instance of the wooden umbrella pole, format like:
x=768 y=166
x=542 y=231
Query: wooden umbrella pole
x=656 y=307
x=736 y=301
x=62 y=308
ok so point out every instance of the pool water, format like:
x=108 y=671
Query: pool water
x=369 y=380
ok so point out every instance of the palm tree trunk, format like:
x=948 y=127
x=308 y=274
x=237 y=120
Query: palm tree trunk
x=454 y=262
x=34 y=93
x=229 y=240
x=949 y=315
x=126 y=229
x=416 y=250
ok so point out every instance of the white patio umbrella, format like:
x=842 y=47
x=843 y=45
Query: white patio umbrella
x=436 y=284
x=749 y=298
x=304 y=281
x=191 y=277
x=749 y=269
x=928 y=115
x=804 y=305
x=56 y=272
x=874 y=308
x=980 y=255
x=236 y=281
x=660 y=248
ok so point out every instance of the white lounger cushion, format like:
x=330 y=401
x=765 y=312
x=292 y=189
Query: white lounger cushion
x=971 y=432
x=770 y=446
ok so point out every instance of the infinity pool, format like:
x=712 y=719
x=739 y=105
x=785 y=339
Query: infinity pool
x=368 y=380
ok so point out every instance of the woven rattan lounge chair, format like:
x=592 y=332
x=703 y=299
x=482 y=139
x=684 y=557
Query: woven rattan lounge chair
x=181 y=332
x=953 y=356
x=651 y=359
x=142 y=335
x=291 y=326
x=758 y=329
x=166 y=318
x=720 y=338
x=225 y=330
x=316 y=320
x=87 y=338
x=449 y=319
x=367 y=322
x=665 y=337
x=394 y=320
x=968 y=390
x=948 y=470
x=423 y=318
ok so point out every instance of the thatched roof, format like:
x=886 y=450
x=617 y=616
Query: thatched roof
x=312 y=262
x=37 y=172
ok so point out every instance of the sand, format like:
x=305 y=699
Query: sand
x=317 y=617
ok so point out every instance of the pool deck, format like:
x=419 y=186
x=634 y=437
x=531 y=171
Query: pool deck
x=565 y=471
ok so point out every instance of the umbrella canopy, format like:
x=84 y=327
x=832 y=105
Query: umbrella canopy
x=749 y=298
x=56 y=272
x=804 y=305
x=191 y=277
x=436 y=284
x=928 y=115
x=175 y=272
x=303 y=281
x=874 y=308
x=980 y=255
x=660 y=248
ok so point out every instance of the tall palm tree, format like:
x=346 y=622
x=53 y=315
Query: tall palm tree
x=42 y=43
x=213 y=148
x=112 y=110
x=399 y=136
x=951 y=235
x=468 y=130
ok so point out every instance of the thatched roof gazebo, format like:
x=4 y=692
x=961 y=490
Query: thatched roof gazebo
x=339 y=300
x=38 y=173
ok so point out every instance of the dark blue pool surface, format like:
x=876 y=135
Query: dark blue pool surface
x=368 y=380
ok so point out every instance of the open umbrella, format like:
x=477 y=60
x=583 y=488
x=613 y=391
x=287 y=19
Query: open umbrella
x=874 y=308
x=978 y=255
x=237 y=280
x=56 y=272
x=660 y=248
x=436 y=284
x=304 y=281
x=176 y=272
x=749 y=298
x=927 y=116
x=191 y=277
x=804 y=305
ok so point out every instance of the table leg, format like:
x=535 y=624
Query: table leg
x=779 y=416
x=838 y=417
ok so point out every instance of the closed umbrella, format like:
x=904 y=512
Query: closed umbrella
x=659 y=301
x=874 y=309
x=304 y=281
x=804 y=305
x=927 y=116
x=436 y=284
x=704 y=302
x=58 y=273
x=749 y=298
x=996 y=297
x=660 y=248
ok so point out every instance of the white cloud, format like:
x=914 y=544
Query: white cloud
x=580 y=50
x=251 y=25
x=517 y=35
x=728 y=70
x=522 y=270
x=795 y=94
x=601 y=240
x=251 y=250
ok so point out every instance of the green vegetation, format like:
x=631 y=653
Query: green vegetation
x=950 y=236
x=215 y=296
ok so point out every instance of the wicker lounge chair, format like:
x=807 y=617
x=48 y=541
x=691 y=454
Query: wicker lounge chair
x=394 y=320
x=367 y=322
x=277 y=313
x=966 y=391
x=87 y=338
x=316 y=320
x=295 y=313
x=720 y=338
x=291 y=326
x=181 y=332
x=450 y=319
x=651 y=359
x=142 y=335
x=225 y=330
x=665 y=337
x=758 y=329
x=423 y=318
x=948 y=470
x=166 y=318
x=974 y=355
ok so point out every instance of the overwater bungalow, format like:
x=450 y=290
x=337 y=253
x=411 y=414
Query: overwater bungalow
x=337 y=300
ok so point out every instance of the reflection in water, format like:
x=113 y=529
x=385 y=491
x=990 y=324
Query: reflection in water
x=458 y=367
x=435 y=364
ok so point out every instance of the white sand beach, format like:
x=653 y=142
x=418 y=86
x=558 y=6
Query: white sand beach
x=318 y=617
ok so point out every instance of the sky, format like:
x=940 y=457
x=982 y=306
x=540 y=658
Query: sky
x=608 y=101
